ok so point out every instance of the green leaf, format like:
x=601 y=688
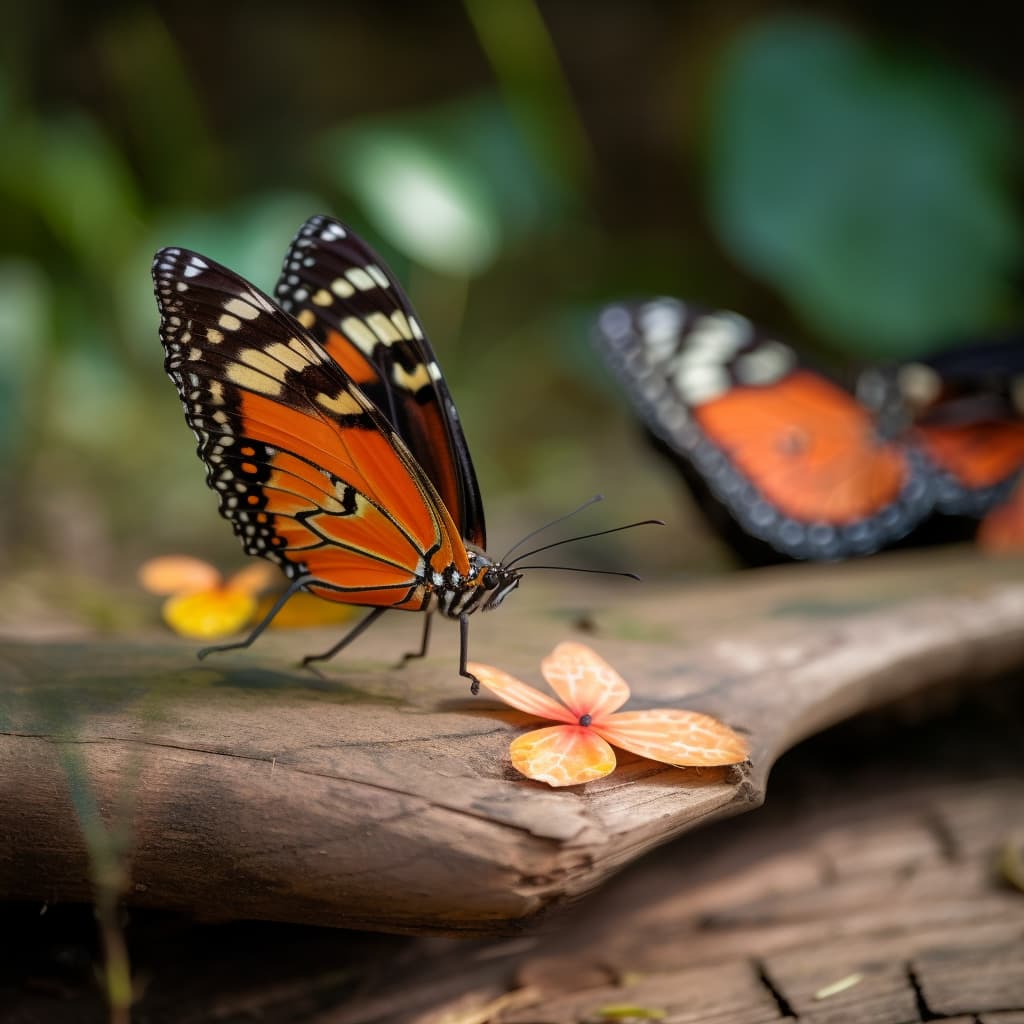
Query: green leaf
x=873 y=191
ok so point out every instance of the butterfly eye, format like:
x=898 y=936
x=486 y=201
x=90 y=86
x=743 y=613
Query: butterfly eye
x=490 y=580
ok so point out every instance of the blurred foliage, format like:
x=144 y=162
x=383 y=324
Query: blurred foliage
x=517 y=165
x=874 y=190
x=449 y=187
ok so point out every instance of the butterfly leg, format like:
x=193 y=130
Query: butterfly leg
x=358 y=628
x=474 y=683
x=295 y=586
x=424 y=643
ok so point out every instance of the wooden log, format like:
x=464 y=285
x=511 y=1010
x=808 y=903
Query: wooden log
x=242 y=788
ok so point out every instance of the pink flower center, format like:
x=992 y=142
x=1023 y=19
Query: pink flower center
x=585 y=719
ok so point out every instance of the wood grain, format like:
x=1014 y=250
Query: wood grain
x=240 y=787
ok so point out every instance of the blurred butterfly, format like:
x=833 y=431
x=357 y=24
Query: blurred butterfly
x=786 y=462
x=964 y=409
x=328 y=432
x=776 y=453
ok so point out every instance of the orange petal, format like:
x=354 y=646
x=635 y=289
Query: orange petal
x=587 y=683
x=674 y=736
x=176 y=574
x=209 y=614
x=255 y=578
x=562 y=755
x=520 y=695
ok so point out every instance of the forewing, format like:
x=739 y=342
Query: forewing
x=307 y=471
x=978 y=462
x=342 y=292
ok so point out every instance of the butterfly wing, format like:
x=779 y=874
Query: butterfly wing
x=791 y=457
x=968 y=403
x=977 y=463
x=341 y=291
x=306 y=469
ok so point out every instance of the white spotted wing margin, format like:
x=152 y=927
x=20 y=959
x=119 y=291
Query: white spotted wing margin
x=306 y=469
x=344 y=294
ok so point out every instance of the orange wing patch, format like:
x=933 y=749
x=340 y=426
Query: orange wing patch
x=977 y=454
x=808 y=447
x=350 y=358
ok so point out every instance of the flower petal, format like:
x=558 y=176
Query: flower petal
x=562 y=755
x=255 y=578
x=176 y=574
x=520 y=695
x=674 y=736
x=209 y=614
x=587 y=683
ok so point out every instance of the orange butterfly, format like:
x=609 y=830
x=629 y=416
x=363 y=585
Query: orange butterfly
x=783 y=460
x=354 y=504
x=964 y=409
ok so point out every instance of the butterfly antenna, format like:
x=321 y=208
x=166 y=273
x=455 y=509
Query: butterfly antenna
x=583 y=536
x=575 y=568
x=554 y=522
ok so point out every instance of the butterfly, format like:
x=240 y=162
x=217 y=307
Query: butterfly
x=964 y=409
x=783 y=460
x=329 y=434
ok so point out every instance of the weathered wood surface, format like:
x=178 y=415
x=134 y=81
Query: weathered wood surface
x=867 y=891
x=384 y=799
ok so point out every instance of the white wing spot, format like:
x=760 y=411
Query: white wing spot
x=287 y=355
x=242 y=309
x=766 y=364
x=383 y=328
x=401 y=325
x=359 y=334
x=360 y=278
x=698 y=384
x=343 y=403
x=378 y=275
x=253 y=380
x=411 y=381
x=661 y=323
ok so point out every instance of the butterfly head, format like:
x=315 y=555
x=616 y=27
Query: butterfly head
x=492 y=579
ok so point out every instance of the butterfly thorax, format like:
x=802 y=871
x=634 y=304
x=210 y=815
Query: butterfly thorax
x=486 y=586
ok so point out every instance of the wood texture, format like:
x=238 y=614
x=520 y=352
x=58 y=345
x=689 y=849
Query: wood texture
x=869 y=889
x=379 y=799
